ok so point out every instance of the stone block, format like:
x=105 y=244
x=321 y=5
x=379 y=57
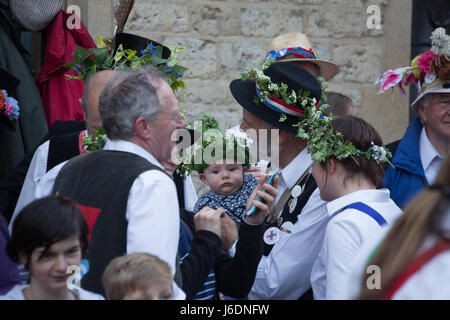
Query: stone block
x=199 y=56
x=215 y=20
x=162 y=17
x=357 y=62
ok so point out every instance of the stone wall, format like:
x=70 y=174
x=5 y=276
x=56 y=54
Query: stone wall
x=225 y=37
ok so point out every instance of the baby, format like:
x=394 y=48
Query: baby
x=138 y=276
x=230 y=188
x=224 y=160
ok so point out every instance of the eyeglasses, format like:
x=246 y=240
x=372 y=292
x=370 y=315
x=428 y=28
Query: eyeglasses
x=441 y=101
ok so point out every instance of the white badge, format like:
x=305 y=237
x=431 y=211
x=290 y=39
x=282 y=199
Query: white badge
x=296 y=191
x=292 y=205
x=286 y=229
x=271 y=235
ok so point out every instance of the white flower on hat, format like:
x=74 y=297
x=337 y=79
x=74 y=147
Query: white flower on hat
x=240 y=136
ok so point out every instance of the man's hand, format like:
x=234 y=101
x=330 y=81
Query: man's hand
x=209 y=219
x=263 y=209
x=229 y=231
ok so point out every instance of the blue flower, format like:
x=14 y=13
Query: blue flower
x=142 y=52
x=150 y=47
x=178 y=75
x=153 y=51
x=169 y=70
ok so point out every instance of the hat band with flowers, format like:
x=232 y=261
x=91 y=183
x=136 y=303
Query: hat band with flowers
x=425 y=70
x=311 y=124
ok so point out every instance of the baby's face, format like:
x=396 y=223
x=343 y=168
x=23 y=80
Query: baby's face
x=223 y=178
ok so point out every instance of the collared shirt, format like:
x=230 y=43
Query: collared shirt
x=430 y=157
x=285 y=272
x=152 y=209
x=425 y=284
x=346 y=233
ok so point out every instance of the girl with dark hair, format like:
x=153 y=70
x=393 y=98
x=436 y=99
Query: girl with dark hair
x=48 y=237
x=414 y=257
x=348 y=179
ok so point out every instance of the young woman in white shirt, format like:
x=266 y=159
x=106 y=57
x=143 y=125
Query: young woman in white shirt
x=49 y=236
x=415 y=254
x=348 y=179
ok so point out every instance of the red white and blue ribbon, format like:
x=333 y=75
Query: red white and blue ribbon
x=295 y=51
x=279 y=105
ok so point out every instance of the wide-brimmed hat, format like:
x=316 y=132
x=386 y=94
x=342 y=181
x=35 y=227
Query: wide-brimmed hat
x=295 y=47
x=138 y=43
x=35 y=15
x=269 y=110
x=438 y=86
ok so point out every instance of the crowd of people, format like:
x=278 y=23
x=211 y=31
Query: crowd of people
x=128 y=216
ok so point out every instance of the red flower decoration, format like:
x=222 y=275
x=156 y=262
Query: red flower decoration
x=424 y=62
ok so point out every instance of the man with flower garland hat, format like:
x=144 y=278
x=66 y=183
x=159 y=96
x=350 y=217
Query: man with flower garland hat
x=426 y=142
x=278 y=97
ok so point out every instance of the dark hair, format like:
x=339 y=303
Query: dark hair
x=339 y=104
x=361 y=134
x=44 y=222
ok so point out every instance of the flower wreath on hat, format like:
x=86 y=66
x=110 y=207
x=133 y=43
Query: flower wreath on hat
x=233 y=144
x=87 y=62
x=424 y=69
x=313 y=125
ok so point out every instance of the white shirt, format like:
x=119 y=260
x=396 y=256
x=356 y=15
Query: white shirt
x=345 y=235
x=430 y=157
x=16 y=293
x=426 y=284
x=285 y=272
x=152 y=209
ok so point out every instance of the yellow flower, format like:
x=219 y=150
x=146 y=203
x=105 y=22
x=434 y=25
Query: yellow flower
x=101 y=42
x=416 y=71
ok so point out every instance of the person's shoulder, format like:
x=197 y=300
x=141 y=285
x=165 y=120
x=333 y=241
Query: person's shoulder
x=16 y=293
x=86 y=295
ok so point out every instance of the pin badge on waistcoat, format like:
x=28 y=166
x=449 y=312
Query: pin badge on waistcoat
x=272 y=235
x=295 y=193
x=286 y=229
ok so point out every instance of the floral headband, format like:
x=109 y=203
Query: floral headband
x=234 y=144
x=87 y=62
x=313 y=126
x=424 y=69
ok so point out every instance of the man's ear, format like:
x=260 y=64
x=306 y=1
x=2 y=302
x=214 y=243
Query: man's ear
x=142 y=128
x=422 y=113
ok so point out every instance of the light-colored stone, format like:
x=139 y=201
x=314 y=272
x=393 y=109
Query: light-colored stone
x=358 y=63
x=238 y=57
x=199 y=56
x=151 y=17
x=215 y=20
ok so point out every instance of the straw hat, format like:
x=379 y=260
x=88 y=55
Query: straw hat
x=295 y=47
x=35 y=15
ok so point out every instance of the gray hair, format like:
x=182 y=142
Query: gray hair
x=126 y=97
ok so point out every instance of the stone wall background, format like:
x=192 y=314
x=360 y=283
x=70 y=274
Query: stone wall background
x=224 y=37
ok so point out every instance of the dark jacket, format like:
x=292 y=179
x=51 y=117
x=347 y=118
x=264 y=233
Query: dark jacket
x=408 y=177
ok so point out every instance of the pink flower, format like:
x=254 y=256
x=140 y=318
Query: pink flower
x=390 y=79
x=424 y=61
x=410 y=78
x=9 y=108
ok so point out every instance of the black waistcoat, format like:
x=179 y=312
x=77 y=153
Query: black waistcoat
x=100 y=182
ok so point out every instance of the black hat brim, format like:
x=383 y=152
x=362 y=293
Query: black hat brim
x=245 y=91
x=138 y=43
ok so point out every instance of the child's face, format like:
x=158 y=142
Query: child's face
x=48 y=270
x=223 y=178
x=161 y=290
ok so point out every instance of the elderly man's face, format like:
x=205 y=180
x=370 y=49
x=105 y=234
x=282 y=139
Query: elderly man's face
x=166 y=122
x=436 y=116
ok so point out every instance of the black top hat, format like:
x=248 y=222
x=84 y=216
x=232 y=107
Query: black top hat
x=138 y=43
x=294 y=76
